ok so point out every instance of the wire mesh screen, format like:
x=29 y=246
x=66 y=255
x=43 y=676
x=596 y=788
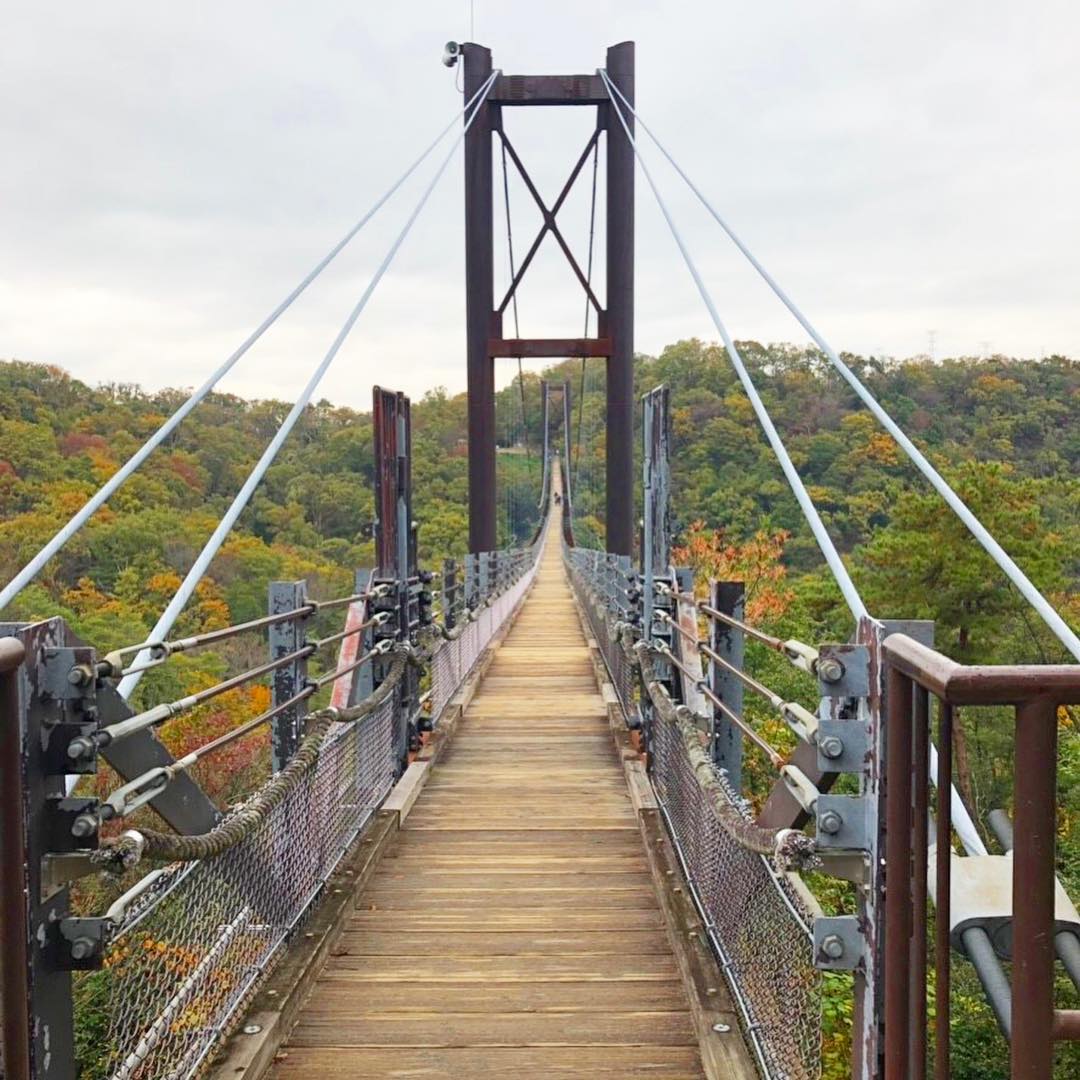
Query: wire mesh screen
x=455 y=659
x=756 y=920
x=182 y=968
x=600 y=599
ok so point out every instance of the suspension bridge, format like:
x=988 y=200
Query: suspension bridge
x=506 y=834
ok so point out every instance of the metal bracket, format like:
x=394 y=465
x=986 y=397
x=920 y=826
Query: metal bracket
x=854 y=666
x=67 y=674
x=841 y=822
x=62 y=813
x=842 y=746
x=838 y=943
x=83 y=943
x=60 y=870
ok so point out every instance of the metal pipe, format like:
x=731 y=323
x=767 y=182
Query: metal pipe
x=920 y=798
x=1033 y=890
x=1066 y=943
x=379 y=650
x=160 y=713
x=943 y=892
x=352 y=631
x=994 y=981
x=775 y=758
x=160 y=650
x=15 y=992
x=897 y=959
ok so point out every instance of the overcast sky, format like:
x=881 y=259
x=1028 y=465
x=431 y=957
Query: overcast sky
x=171 y=170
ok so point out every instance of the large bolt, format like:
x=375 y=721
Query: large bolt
x=832 y=746
x=832 y=946
x=829 y=669
x=81 y=747
x=84 y=825
x=82 y=948
x=80 y=675
x=830 y=822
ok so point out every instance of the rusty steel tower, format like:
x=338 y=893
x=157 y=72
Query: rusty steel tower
x=486 y=339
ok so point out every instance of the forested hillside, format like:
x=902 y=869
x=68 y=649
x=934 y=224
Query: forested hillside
x=1005 y=432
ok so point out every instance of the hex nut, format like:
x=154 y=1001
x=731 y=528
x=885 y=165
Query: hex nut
x=832 y=946
x=830 y=822
x=832 y=746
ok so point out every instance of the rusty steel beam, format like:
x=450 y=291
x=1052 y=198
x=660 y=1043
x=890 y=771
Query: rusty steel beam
x=479 y=302
x=549 y=90
x=535 y=348
x=14 y=992
x=619 y=323
x=978 y=684
x=1035 y=828
x=898 y=911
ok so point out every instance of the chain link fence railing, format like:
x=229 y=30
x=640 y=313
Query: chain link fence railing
x=186 y=960
x=758 y=924
x=181 y=968
x=755 y=918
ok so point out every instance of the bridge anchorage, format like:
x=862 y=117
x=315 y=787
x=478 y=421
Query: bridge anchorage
x=505 y=833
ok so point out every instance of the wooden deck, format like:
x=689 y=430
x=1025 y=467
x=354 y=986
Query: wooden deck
x=513 y=930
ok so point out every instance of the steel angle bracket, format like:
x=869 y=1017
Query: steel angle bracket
x=839 y=944
x=842 y=746
x=842 y=822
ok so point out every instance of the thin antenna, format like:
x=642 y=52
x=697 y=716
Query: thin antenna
x=472 y=20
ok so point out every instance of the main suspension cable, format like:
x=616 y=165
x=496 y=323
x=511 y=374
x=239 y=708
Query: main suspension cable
x=810 y=512
x=202 y=563
x=1004 y=561
x=105 y=492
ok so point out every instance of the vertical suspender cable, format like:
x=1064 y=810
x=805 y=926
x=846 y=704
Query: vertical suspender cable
x=202 y=563
x=813 y=518
x=37 y=563
x=588 y=305
x=1027 y=589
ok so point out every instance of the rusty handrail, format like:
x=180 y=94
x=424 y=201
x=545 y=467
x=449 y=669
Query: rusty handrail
x=982 y=684
x=915 y=671
x=14 y=998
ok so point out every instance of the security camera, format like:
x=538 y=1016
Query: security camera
x=451 y=53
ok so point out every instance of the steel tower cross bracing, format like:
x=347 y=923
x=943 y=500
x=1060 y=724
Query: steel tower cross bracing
x=484 y=316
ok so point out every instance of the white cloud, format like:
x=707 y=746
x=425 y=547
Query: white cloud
x=170 y=172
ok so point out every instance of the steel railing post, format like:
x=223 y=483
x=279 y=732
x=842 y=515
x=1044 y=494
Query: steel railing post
x=14 y=917
x=285 y=638
x=1033 y=889
x=729 y=642
x=897 y=958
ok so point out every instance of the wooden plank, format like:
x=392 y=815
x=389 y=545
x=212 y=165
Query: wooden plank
x=506 y=942
x=514 y=929
x=492 y=1063
x=407 y=790
x=581 y=967
x=440 y=1028
x=503 y=997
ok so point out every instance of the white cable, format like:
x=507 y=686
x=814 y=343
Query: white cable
x=965 y=827
x=824 y=541
x=37 y=563
x=202 y=563
x=1017 y=576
